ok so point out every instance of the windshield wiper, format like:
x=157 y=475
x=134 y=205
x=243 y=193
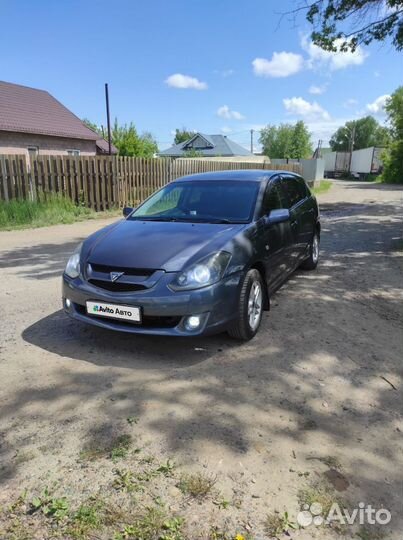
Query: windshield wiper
x=155 y=218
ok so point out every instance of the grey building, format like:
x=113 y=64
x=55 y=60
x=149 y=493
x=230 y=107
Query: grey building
x=206 y=146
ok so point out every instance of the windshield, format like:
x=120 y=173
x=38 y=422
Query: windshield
x=201 y=201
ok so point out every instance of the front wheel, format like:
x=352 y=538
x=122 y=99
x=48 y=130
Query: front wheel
x=250 y=308
x=312 y=261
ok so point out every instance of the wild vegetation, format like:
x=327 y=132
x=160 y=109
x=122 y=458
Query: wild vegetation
x=357 y=134
x=345 y=24
x=127 y=140
x=393 y=155
x=52 y=210
x=286 y=141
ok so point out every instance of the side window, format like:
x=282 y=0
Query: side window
x=293 y=191
x=303 y=188
x=272 y=198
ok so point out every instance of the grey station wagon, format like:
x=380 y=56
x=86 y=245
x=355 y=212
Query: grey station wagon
x=202 y=255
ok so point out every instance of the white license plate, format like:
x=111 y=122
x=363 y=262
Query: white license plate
x=114 y=311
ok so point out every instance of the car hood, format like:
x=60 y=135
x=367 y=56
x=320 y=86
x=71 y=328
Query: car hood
x=156 y=245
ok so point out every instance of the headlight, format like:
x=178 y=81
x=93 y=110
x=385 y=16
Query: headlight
x=73 y=264
x=205 y=272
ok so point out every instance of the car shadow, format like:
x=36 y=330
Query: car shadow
x=60 y=335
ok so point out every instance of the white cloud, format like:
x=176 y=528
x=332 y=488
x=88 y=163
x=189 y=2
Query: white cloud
x=299 y=107
x=177 y=80
x=351 y=102
x=282 y=64
x=313 y=89
x=332 y=60
x=226 y=129
x=378 y=106
x=226 y=112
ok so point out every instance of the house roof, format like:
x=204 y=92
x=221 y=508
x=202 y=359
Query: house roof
x=103 y=147
x=215 y=145
x=28 y=110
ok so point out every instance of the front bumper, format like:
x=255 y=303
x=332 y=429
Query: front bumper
x=163 y=310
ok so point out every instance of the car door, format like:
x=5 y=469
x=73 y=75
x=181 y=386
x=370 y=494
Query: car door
x=275 y=236
x=307 y=215
x=294 y=200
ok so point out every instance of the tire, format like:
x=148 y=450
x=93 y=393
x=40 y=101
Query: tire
x=250 y=307
x=312 y=261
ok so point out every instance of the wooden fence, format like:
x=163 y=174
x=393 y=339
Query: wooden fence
x=102 y=183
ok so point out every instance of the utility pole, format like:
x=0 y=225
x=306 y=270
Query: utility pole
x=251 y=141
x=352 y=140
x=108 y=119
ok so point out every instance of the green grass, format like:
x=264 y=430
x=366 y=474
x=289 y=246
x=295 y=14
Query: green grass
x=323 y=187
x=55 y=209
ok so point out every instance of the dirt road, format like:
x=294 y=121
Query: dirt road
x=315 y=397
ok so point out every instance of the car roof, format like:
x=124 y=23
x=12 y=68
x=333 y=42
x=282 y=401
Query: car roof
x=254 y=175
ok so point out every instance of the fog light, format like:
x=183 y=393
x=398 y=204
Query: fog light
x=192 y=322
x=67 y=303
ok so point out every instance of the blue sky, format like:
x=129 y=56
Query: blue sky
x=241 y=65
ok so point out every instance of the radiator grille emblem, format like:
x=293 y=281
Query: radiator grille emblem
x=115 y=276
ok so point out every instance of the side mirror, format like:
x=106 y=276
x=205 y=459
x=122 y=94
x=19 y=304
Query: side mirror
x=278 y=216
x=127 y=210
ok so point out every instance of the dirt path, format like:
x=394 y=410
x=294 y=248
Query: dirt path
x=316 y=395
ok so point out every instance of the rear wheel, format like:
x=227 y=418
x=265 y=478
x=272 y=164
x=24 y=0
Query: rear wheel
x=312 y=261
x=250 y=308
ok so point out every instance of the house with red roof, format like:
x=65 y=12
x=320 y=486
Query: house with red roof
x=33 y=122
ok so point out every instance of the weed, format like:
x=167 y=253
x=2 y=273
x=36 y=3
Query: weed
x=120 y=447
x=125 y=481
x=277 y=524
x=319 y=493
x=166 y=468
x=172 y=529
x=153 y=524
x=323 y=187
x=197 y=485
x=57 y=508
x=132 y=420
x=147 y=459
x=50 y=210
x=221 y=503
x=116 y=449
x=89 y=516
x=331 y=461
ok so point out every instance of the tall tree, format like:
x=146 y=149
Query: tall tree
x=365 y=131
x=345 y=24
x=129 y=143
x=286 y=141
x=182 y=135
x=127 y=140
x=393 y=158
x=301 y=146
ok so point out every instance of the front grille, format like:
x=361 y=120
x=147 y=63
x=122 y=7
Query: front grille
x=103 y=269
x=116 y=286
x=131 y=280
